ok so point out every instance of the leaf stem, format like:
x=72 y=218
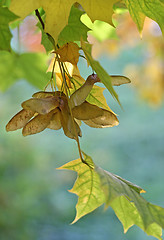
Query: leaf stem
x=43 y=26
x=39 y=17
x=62 y=70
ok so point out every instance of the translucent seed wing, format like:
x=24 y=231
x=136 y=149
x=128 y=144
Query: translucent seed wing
x=79 y=96
x=119 y=80
x=41 y=105
x=55 y=122
x=86 y=111
x=108 y=119
x=19 y=120
x=70 y=128
x=43 y=94
x=37 y=124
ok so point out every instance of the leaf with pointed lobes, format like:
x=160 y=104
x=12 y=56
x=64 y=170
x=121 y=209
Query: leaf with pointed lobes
x=57 y=12
x=86 y=111
x=69 y=52
x=95 y=186
x=86 y=187
x=37 y=124
x=79 y=96
x=41 y=105
x=107 y=119
x=19 y=120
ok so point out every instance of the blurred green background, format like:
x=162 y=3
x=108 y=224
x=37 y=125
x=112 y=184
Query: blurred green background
x=34 y=201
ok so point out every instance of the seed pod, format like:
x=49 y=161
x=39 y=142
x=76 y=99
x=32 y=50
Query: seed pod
x=117 y=80
x=37 y=124
x=55 y=122
x=19 y=120
x=86 y=111
x=79 y=96
x=43 y=94
x=41 y=105
x=108 y=119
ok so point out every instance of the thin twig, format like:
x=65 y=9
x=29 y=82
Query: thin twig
x=72 y=118
x=39 y=17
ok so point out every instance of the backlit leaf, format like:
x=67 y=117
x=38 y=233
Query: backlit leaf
x=102 y=74
x=5 y=35
x=69 y=52
x=95 y=186
x=29 y=66
x=139 y=9
x=57 y=12
x=75 y=29
x=86 y=187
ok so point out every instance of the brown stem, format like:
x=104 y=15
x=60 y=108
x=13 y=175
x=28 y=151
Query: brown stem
x=39 y=17
x=43 y=26
x=62 y=70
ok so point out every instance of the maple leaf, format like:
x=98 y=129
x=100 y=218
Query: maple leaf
x=75 y=29
x=69 y=53
x=29 y=66
x=57 y=13
x=139 y=9
x=95 y=186
x=5 y=35
x=102 y=74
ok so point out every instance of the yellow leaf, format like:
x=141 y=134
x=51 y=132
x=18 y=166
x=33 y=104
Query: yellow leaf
x=69 y=52
x=57 y=12
x=19 y=120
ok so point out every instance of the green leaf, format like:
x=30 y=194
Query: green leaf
x=95 y=186
x=29 y=66
x=153 y=9
x=5 y=35
x=99 y=29
x=45 y=41
x=102 y=74
x=86 y=187
x=75 y=29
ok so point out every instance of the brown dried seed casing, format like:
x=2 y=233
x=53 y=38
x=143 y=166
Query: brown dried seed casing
x=19 y=120
x=37 y=124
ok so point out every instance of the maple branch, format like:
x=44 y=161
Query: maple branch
x=62 y=70
x=43 y=26
x=39 y=17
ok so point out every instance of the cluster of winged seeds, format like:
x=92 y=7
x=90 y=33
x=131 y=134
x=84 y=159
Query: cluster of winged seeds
x=55 y=110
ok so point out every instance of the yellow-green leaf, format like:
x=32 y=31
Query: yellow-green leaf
x=102 y=74
x=95 y=186
x=153 y=9
x=5 y=35
x=86 y=187
x=57 y=12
